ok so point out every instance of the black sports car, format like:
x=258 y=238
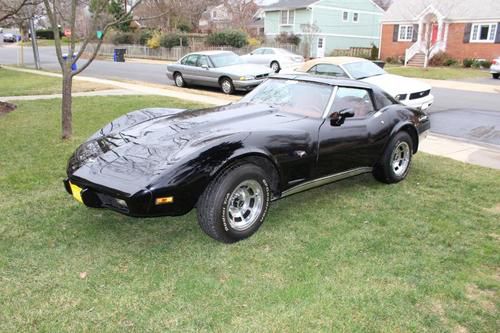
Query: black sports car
x=290 y=134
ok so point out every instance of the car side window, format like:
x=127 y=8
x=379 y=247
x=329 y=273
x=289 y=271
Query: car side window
x=258 y=51
x=191 y=60
x=356 y=99
x=268 y=51
x=328 y=69
x=203 y=61
x=382 y=100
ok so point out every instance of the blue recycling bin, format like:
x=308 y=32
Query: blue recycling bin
x=119 y=55
x=74 y=66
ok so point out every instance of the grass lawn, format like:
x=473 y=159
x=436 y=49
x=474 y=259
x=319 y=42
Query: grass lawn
x=14 y=83
x=419 y=256
x=438 y=73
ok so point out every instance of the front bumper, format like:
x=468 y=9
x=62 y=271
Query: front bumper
x=247 y=84
x=141 y=204
x=420 y=103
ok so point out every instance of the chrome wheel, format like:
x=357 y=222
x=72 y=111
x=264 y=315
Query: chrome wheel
x=401 y=158
x=227 y=87
x=275 y=67
x=179 y=80
x=245 y=205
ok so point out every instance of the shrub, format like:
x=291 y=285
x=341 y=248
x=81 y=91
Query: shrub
x=286 y=38
x=145 y=36
x=391 y=60
x=442 y=59
x=123 y=38
x=468 y=62
x=485 y=64
x=254 y=42
x=374 y=52
x=154 y=41
x=47 y=34
x=184 y=27
x=232 y=38
x=172 y=40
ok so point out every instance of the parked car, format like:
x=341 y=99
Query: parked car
x=410 y=92
x=276 y=58
x=9 y=38
x=222 y=69
x=495 y=68
x=290 y=134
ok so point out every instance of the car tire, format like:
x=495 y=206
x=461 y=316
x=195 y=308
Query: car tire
x=496 y=75
x=235 y=203
x=275 y=66
x=227 y=86
x=395 y=162
x=179 y=80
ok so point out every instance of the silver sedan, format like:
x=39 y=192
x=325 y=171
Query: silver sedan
x=275 y=58
x=222 y=69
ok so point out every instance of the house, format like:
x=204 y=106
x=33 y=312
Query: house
x=233 y=14
x=419 y=29
x=325 y=25
x=215 y=18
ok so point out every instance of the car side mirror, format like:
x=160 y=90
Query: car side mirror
x=204 y=66
x=338 y=118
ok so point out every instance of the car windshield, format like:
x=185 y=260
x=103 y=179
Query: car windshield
x=299 y=97
x=225 y=59
x=363 y=69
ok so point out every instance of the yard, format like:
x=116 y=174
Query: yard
x=438 y=73
x=14 y=83
x=420 y=256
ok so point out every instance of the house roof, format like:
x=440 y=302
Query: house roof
x=452 y=10
x=289 y=4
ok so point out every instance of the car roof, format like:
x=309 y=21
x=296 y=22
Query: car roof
x=329 y=60
x=212 y=52
x=325 y=80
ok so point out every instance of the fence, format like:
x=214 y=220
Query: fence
x=175 y=53
x=361 y=52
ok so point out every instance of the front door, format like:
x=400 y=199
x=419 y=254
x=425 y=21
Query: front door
x=350 y=145
x=434 y=36
x=320 y=49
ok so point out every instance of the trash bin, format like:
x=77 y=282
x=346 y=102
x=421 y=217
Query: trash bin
x=119 y=55
x=74 y=67
x=379 y=63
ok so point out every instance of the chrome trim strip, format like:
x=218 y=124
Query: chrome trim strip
x=325 y=180
x=330 y=102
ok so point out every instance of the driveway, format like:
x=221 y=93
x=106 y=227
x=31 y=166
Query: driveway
x=463 y=114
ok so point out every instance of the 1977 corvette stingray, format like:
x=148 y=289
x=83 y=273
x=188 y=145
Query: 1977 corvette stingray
x=290 y=134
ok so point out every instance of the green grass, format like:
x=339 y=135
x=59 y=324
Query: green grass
x=438 y=73
x=355 y=256
x=15 y=83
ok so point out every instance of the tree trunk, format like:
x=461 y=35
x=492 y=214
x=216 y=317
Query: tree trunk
x=67 y=127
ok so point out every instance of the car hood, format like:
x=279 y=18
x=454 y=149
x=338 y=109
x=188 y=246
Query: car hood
x=129 y=159
x=395 y=84
x=246 y=69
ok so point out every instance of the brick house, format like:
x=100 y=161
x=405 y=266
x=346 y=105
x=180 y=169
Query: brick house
x=419 y=29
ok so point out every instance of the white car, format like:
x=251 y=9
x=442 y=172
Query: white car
x=495 y=68
x=275 y=58
x=410 y=92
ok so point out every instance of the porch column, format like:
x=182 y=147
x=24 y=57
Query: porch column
x=440 y=31
x=421 y=26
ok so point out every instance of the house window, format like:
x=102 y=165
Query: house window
x=355 y=17
x=405 y=33
x=483 y=33
x=214 y=14
x=345 y=16
x=287 y=17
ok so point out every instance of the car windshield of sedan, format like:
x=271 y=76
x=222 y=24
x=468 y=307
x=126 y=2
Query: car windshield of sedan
x=305 y=98
x=225 y=59
x=363 y=69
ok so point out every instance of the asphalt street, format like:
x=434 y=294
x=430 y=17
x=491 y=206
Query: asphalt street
x=467 y=115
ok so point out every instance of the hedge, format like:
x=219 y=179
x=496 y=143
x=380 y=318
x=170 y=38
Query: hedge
x=232 y=38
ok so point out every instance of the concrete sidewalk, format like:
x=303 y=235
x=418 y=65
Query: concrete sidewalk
x=459 y=85
x=111 y=92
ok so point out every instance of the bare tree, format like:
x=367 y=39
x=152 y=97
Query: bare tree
x=10 y=8
x=64 y=13
x=309 y=32
x=241 y=12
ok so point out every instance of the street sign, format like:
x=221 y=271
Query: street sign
x=99 y=34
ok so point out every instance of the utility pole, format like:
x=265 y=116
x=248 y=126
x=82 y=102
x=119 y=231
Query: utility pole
x=34 y=44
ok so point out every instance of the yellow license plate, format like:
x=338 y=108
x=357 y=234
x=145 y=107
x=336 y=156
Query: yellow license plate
x=77 y=192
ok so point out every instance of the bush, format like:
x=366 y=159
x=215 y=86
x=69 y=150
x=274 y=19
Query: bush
x=172 y=40
x=145 y=36
x=46 y=34
x=123 y=38
x=232 y=38
x=154 y=41
x=254 y=42
x=374 y=52
x=286 y=38
x=468 y=62
x=391 y=60
x=184 y=27
x=442 y=59
x=484 y=64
